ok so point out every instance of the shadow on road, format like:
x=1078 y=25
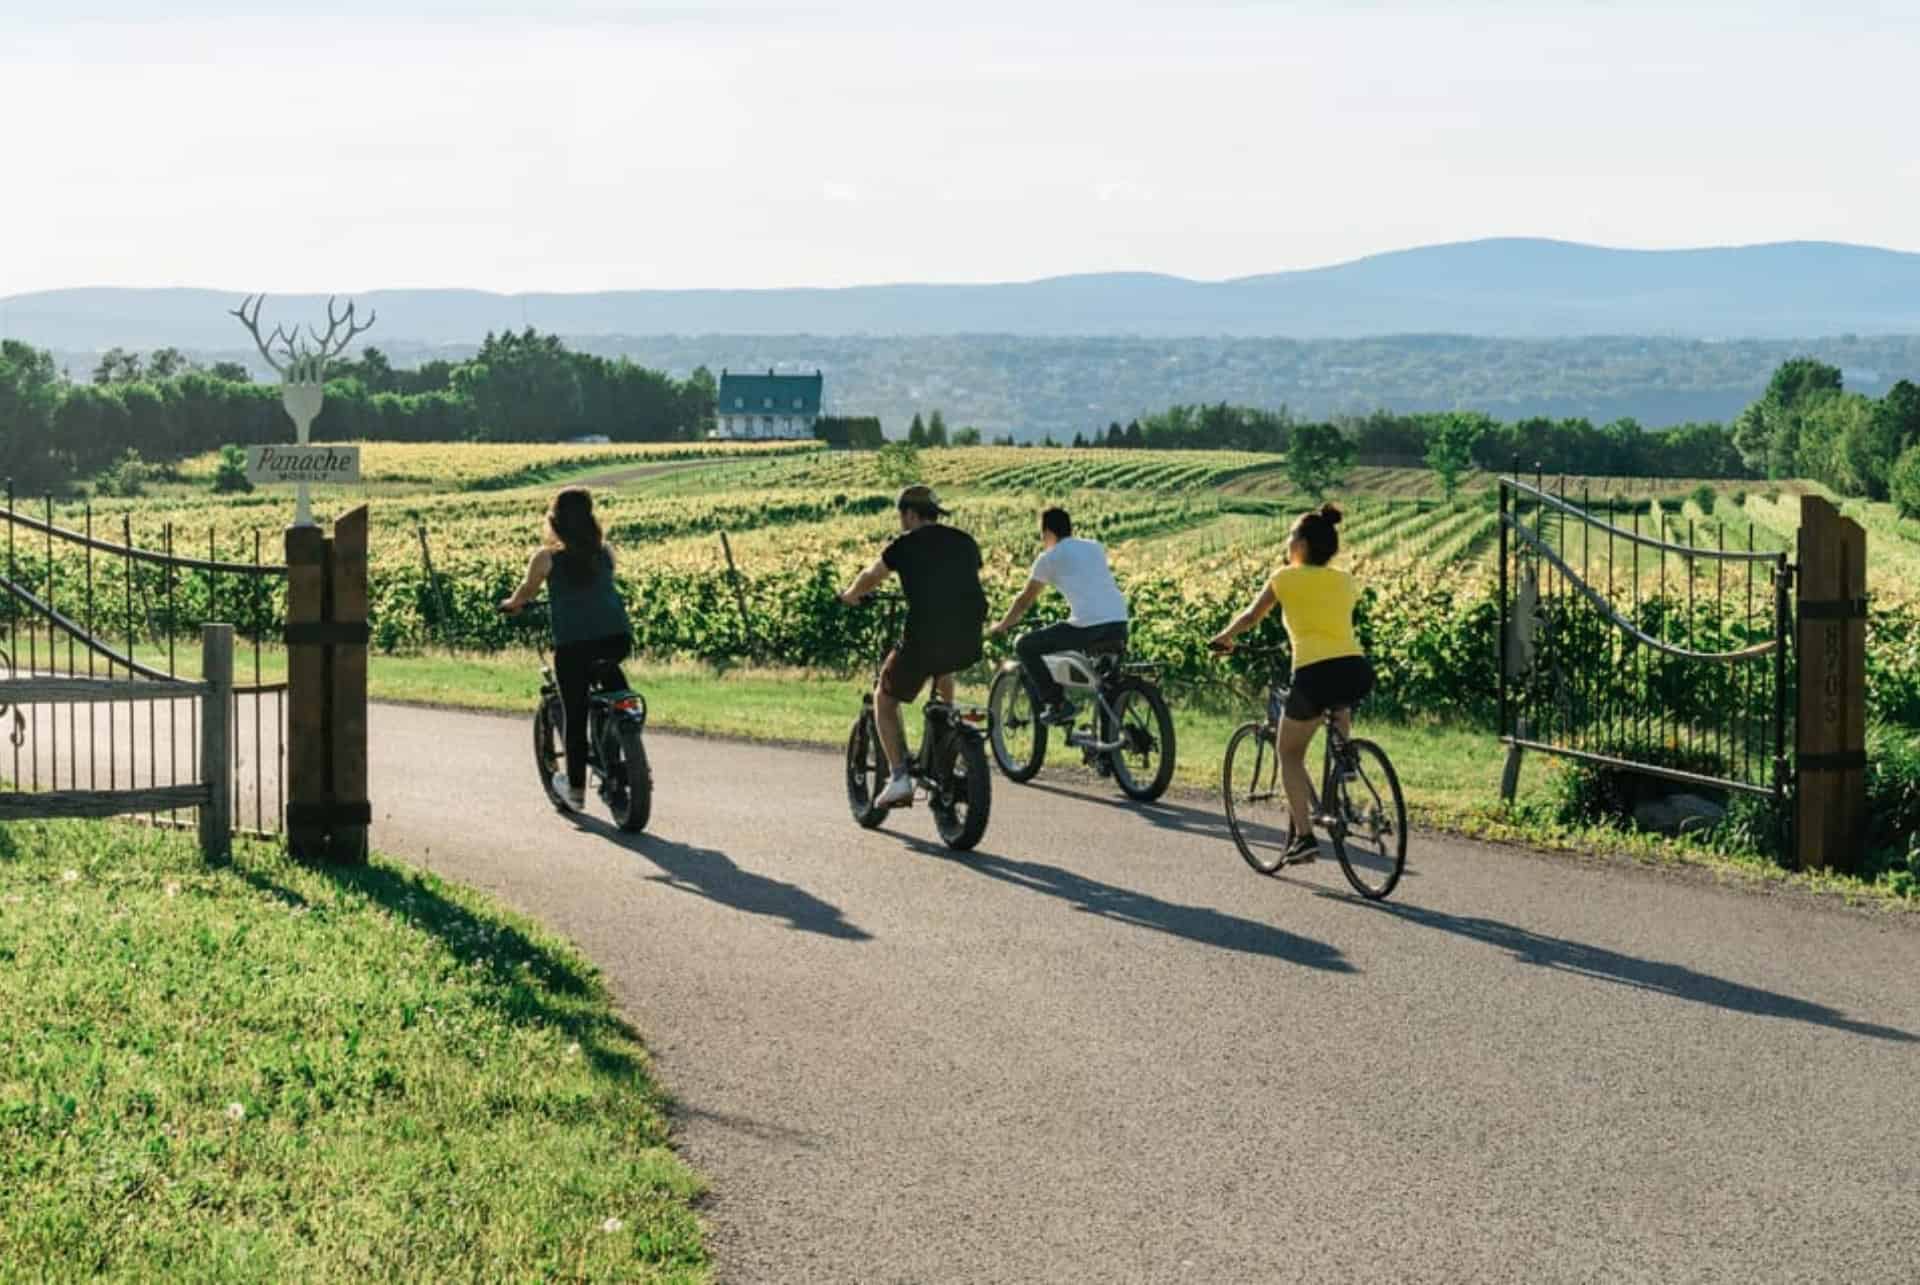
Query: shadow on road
x=1176 y=817
x=1677 y=980
x=1200 y=924
x=710 y=873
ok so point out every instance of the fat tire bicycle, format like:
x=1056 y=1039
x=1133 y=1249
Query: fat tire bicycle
x=1129 y=735
x=1358 y=802
x=616 y=749
x=950 y=768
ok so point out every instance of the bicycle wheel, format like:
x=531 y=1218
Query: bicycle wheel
x=1013 y=723
x=866 y=771
x=1143 y=765
x=963 y=792
x=549 y=747
x=1368 y=821
x=1256 y=801
x=629 y=781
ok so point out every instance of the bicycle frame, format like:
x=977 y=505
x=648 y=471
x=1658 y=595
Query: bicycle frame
x=938 y=718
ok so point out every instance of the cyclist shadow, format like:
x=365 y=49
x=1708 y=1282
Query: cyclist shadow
x=1200 y=924
x=1162 y=815
x=1582 y=960
x=710 y=873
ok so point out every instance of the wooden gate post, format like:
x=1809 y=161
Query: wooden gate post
x=327 y=808
x=216 y=742
x=306 y=693
x=352 y=813
x=1830 y=767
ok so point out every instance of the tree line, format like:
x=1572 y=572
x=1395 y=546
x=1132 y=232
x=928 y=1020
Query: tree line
x=524 y=387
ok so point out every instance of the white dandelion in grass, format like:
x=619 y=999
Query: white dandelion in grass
x=236 y=1112
x=69 y=876
x=173 y=890
x=611 y=1226
x=573 y=1050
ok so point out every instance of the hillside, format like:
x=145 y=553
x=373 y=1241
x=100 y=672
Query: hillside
x=1503 y=287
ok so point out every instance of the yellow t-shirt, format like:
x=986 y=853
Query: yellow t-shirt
x=1317 y=603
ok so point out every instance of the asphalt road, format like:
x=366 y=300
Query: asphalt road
x=1101 y=1049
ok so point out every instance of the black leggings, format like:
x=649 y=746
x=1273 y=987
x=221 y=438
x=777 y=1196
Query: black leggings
x=574 y=666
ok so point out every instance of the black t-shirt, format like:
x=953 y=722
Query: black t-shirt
x=939 y=570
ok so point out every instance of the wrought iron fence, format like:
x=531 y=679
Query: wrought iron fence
x=1635 y=634
x=79 y=604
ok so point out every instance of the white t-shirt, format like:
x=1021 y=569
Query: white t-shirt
x=1078 y=568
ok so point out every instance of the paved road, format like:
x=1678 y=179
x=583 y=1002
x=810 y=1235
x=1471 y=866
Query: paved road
x=1101 y=1049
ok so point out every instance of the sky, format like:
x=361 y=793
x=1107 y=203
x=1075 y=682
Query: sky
x=609 y=144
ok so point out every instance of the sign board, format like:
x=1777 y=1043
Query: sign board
x=316 y=464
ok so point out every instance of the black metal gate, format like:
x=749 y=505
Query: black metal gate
x=1635 y=634
x=79 y=604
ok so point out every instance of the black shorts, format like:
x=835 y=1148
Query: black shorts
x=1340 y=683
x=907 y=669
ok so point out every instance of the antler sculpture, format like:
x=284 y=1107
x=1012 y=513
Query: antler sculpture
x=298 y=362
x=302 y=366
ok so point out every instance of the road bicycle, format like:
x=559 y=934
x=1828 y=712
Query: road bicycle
x=1357 y=803
x=1128 y=734
x=616 y=750
x=949 y=769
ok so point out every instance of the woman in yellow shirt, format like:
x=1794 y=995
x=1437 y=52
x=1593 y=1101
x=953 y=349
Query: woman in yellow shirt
x=1330 y=671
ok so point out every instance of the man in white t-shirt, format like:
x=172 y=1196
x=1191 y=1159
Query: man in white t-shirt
x=1078 y=569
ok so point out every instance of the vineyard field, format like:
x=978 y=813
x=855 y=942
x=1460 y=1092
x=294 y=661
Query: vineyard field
x=1191 y=540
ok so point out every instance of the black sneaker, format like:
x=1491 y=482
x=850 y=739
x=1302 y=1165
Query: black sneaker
x=1304 y=849
x=1059 y=714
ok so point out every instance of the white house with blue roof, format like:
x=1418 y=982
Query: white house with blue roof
x=764 y=407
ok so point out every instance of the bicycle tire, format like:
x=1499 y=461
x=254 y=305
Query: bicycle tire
x=548 y=748
x=962 y=827
x=1010 y=692
x=631 y=798
x=1251 y=819
x=866 y=772
x=1162 y=735
x=1374 y=865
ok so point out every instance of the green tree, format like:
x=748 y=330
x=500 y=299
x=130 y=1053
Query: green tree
x=1800 y=379
x=937 y=429
x=231 y=371
x=1903 y=483
x=897 y=464
x=704 y=391
x=1318 y=456
x=1134 y=437
x=967 y=437
x=1116 y=436
x=916 y=431
x=1450 y=443
x=230 y=474
x=117 y=366
x=1704 y=498
x=166 y=363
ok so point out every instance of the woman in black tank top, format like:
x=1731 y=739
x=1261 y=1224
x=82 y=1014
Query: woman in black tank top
x=591 y=631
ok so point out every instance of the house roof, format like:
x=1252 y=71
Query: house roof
x=769 y=394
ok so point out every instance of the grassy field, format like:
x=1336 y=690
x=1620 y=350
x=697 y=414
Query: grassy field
x=267 y=1072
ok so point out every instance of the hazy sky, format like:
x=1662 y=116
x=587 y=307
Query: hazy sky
x=619 y=144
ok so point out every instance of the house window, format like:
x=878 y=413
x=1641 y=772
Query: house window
x=739 y=402
x=766 y=403
x=796 y=403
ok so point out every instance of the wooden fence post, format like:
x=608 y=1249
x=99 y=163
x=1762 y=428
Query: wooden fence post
x=216 y=742
x=307 y=742
x=1831 y=731
x=352 y=813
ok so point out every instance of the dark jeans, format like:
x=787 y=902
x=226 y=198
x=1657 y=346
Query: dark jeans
x=1033 y=648
x=574 y=666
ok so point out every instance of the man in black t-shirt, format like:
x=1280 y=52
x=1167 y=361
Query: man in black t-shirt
x=939 y=570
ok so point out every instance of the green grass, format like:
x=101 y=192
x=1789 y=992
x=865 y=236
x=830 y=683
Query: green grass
x=267 y=1072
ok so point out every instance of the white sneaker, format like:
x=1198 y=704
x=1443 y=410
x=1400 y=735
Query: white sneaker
x=899 y=790
x=571 y=799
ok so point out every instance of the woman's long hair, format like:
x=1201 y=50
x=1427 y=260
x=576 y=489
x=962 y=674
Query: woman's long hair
x=1321 y=530
x=573 y=534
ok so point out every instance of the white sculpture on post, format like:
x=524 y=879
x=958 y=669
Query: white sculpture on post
x=302 y=368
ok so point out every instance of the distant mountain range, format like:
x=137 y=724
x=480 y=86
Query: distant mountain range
x=1519 y=288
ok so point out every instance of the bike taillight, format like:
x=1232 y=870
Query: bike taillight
x=973 y=714
x=628 y=704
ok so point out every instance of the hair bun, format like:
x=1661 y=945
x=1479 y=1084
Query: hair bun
x=1331 y=512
